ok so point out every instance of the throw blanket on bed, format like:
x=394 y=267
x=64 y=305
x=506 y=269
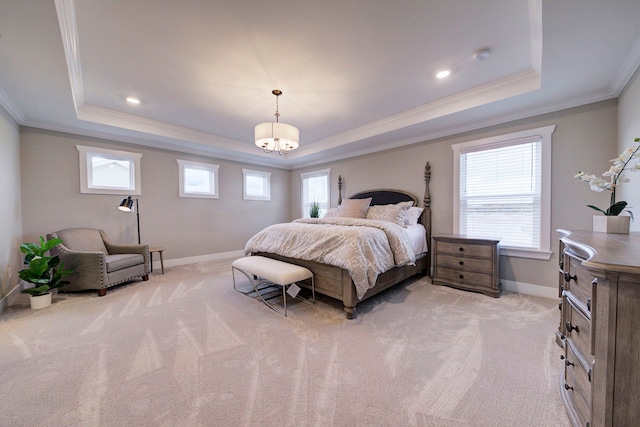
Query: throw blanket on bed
x=365 y=248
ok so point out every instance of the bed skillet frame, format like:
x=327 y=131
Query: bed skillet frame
x=335 y=282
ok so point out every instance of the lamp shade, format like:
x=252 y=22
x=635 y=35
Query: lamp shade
x=126 y=205
x=277 y=136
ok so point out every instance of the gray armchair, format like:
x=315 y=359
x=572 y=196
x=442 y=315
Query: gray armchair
x=98 y=263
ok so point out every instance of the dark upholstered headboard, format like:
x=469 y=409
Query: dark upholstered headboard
x=386 y=197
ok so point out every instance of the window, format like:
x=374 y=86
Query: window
x=198 y=180
x=256 y=184
x=315 y=188
x=104 y=171
x=502 y=190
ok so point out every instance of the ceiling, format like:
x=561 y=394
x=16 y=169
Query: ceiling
x=357 y=76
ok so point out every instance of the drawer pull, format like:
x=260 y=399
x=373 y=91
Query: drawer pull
x=567 y=387
x=461 y=263
x=568 y=277
x=570 y=327
x=566 y=361
x=461 y=276
x=461 y=249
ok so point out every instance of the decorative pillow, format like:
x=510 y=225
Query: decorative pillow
x=413 y=215
x=331 y=213
x=354 y=208
x=391 y=213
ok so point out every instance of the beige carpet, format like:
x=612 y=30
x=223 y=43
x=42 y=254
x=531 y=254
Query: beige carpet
x=185 y=349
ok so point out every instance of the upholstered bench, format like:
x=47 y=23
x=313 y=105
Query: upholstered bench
x=273 y=273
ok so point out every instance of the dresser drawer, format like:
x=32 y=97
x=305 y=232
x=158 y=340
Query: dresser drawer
x=579 y=282
x=580 y=370
x=466 y=249
x=465 y=277
x=464 y=264
x=577 y=327
x=579 y=401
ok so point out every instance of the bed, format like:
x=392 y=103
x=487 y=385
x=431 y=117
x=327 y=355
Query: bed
x=337 y=282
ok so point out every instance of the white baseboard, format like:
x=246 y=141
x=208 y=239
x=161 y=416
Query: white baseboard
x=203 y=258
x=529 y=289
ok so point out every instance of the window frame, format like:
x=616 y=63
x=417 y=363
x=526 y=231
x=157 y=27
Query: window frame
x=304 y=207
x=213 y=174
x=544 y=134
x=266 y=176
x=85 y=156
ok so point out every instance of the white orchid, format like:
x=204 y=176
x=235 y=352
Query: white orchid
x=616 y=176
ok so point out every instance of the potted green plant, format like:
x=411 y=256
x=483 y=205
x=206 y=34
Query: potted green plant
x=45 y=272
x=613 y=222
x=314 y=210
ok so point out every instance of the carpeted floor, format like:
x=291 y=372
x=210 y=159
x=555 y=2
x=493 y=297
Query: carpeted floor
x=185 y=349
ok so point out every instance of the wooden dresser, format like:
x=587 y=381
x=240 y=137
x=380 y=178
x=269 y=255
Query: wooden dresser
x=599 y=283
x=467 y=263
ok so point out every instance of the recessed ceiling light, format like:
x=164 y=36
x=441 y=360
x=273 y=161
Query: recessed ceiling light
x=443 y=74
x=132 y=100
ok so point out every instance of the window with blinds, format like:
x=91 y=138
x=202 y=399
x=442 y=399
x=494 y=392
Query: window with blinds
x=503 y=190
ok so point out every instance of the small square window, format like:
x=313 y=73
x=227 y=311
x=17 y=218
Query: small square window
x=198 y=180
x=104 y=171
x=256 y=184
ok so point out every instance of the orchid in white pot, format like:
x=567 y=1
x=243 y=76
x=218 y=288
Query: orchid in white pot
x=625 y=162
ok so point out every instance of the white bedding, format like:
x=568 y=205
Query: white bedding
x=418 y=238
x=365 y=248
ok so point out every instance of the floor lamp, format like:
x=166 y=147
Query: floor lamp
x=127 y=206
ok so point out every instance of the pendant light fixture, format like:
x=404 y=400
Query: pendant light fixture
x=279 y=137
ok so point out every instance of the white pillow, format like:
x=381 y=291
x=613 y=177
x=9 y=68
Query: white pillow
x=413 y=215
x=391 y=213
x=354 y=208
x=331 y=213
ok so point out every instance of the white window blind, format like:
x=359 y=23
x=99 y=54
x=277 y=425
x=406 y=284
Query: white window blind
x=500 y=193
x=502 y=189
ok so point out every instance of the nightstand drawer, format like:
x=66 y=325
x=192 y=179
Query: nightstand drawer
x=465 y=277
x=465 y=264
x=466 y=249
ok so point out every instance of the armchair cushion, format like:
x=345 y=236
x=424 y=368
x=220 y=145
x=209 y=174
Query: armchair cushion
x=120 y=261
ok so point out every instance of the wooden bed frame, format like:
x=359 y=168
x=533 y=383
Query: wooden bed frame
x=335 y=282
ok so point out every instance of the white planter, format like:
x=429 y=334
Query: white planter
x=41 y=301
x=611 y=224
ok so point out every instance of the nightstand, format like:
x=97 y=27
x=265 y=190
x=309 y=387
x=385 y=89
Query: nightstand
x=467 y=263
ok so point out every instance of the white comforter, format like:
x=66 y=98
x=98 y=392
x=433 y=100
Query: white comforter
x=365 y=248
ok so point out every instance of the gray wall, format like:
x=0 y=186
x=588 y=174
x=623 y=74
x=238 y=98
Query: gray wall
x=584 y=139
x=628 y=129
x=11 y=206
x=186 y=227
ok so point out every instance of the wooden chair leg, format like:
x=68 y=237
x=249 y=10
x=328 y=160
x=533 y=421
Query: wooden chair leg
x=145 y=277
x=102 y=292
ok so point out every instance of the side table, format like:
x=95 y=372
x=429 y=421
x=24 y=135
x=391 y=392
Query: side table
x=158 y=249
x=467 y=263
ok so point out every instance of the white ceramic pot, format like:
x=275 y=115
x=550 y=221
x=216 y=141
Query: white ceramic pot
x=612 y=224
x=40 y=301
